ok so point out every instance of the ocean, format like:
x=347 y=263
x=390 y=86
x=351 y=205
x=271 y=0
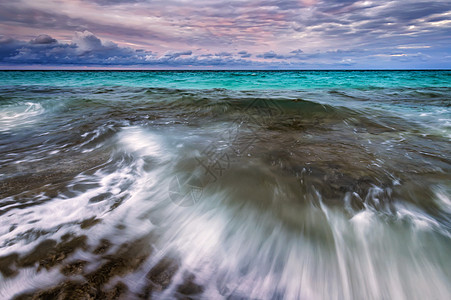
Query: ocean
x=225 y=184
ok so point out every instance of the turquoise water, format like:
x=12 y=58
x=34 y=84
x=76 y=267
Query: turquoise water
x=225 y=185
x=242 y=80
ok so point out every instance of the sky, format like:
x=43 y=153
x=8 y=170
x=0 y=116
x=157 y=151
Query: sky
x=233 y=34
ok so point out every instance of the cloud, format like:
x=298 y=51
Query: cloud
x=223 y=53
x=259 y=26
x=86 y=49
x=413 y=11
x=9 y=46
x=43 y=39
x=271 y=55
x=87 y=42
x=244 y=54
x=170 y=55
x=295 y=54
x=52 y=19
x=112 y=2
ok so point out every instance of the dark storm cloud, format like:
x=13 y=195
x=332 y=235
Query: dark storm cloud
x=175 y=54
x=244 y=54
x=87 y=49
x=271 y=55
x=43 y=39
x=295 y=54
x=9 y=46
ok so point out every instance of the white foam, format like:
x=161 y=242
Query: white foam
x=233 y=245
x=443 y=199
x=19 y=115
x=141 y=142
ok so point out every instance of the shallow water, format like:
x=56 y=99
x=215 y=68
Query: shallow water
x=218 y=185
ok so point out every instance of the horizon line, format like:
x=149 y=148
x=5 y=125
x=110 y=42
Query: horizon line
x=207 y=70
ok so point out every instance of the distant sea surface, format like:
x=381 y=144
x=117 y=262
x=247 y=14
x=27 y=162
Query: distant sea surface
x=225 y=185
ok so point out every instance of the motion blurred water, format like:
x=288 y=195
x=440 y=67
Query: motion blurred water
x=233 y=185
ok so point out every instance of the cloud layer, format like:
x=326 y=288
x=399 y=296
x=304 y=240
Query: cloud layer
x=229 y=34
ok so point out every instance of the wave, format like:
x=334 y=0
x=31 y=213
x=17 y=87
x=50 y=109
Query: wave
x=167 y=193
x=19 y=115
x=234 y=240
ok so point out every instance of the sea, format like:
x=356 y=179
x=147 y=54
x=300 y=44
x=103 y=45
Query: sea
x=225 y=185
